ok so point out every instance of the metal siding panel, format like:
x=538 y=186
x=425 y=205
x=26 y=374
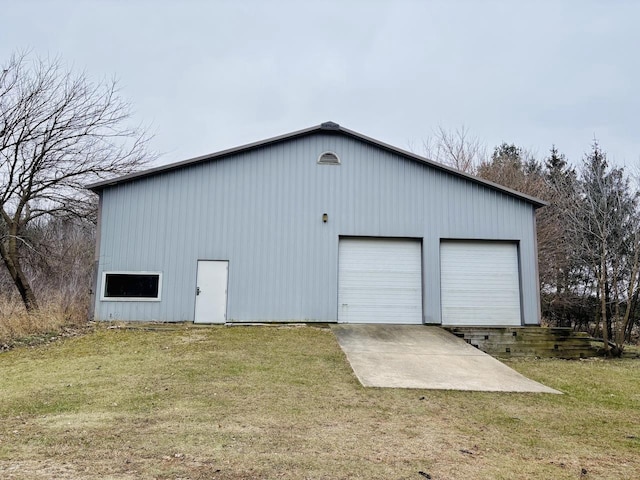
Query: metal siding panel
x=262 y=210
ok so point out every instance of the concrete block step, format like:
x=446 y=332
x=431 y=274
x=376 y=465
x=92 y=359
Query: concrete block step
x=528 y=341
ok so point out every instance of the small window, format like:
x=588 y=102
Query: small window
x=328 y=158
x=131 y=286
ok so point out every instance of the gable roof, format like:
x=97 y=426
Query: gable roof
x=326 y=127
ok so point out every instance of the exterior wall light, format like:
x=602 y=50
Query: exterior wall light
x=325 y=218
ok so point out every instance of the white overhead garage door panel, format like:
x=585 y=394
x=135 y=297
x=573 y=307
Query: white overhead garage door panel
x=380 y=281
x=480 y=283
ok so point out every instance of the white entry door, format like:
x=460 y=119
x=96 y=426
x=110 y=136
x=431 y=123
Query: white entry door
x=211 y=291
x=379 y=281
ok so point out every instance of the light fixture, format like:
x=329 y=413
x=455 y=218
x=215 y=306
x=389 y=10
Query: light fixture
x=325 y=217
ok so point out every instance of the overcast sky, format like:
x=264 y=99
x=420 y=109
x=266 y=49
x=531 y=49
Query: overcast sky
x=209 y=75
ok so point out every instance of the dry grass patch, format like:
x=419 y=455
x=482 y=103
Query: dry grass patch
x=247 y=403
x=57 y=316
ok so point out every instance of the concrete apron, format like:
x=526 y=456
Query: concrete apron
x=418 y=356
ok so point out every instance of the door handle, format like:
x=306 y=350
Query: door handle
x=197 y=290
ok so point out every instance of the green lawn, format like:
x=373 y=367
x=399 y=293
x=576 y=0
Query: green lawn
x=267 y=402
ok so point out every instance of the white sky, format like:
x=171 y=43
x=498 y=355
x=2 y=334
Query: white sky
x=209 y=75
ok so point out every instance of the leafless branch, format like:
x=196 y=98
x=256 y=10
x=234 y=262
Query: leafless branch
x=455 y=148
x=58 y=131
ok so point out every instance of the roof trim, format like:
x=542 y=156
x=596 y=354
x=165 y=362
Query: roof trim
x=327 y=127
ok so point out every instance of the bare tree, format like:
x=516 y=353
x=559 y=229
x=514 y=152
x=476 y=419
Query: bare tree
x=455 y=148
x=606 y=226
x=58 y=132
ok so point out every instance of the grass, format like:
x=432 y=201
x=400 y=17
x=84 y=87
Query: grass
x=271 y=403
x=59 y=316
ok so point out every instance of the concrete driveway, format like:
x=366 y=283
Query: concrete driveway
x=418 y=356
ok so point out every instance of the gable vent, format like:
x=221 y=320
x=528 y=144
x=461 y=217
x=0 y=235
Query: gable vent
x=328 y=158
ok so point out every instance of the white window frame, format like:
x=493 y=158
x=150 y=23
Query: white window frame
x=329 y=152
x=103 y=288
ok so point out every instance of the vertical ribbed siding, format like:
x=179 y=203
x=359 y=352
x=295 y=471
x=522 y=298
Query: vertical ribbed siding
x=262 y=211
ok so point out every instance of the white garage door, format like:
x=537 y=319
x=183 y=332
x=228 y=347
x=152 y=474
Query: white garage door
x=479 y=283
x=379 y=281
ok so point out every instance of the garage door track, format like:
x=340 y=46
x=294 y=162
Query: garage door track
x=419 y=356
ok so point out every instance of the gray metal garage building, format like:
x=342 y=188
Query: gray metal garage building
x=319 y=225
